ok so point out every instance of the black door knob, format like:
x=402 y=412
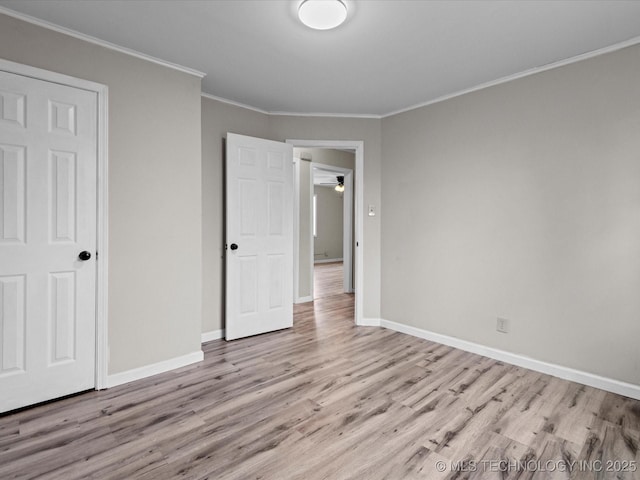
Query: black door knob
x=234 y=246
x=84 y=256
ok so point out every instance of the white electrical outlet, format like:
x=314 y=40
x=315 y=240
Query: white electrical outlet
x=502 y=325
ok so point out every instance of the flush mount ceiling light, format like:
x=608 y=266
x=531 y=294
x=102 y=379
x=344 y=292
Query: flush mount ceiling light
x=322 y=14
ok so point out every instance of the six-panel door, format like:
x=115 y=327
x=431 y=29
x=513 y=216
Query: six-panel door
x=48 y=135
x=259 y=221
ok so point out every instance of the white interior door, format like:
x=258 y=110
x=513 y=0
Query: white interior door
x=48 y=142
x=259 y=231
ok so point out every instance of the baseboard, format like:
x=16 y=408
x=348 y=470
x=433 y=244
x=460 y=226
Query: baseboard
x=306 y=299
x=370 y=322
x=585 y=378
x=328 y=260
x=212 y=335
x=154 y=369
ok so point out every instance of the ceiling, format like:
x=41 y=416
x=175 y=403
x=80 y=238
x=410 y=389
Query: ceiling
x=387 y=57
x=325 y=177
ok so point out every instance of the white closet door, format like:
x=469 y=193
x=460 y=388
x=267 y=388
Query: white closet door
x=48 y=142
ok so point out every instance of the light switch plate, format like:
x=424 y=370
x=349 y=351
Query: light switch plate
x=502 y=325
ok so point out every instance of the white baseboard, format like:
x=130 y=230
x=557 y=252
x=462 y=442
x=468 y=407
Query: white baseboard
x=306 y=299
x=154 y=369
x=328 y=260
x=370 y=322
x=212 y=335
x=585 y=378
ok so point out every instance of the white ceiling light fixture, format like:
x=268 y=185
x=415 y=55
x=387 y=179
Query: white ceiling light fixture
x=322 y=14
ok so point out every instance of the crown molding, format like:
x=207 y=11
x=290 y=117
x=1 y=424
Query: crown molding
x=526 y=73
x=333 y=115
x=99 y=42
x=231 y=102
x=290 y=114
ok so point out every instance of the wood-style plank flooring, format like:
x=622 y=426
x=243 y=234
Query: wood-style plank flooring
x=328 y=400
x=327 y=279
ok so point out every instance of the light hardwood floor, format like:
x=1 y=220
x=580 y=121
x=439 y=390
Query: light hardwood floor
x=327 y=279
x=328 y=400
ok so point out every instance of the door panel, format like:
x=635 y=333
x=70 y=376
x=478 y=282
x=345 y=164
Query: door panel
x=12 y=203
x=12 y=321
x=62 y=317
x=63 y=179
x=48 y=160
x=259 y=220
x=12 y=109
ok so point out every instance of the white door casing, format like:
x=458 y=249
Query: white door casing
x=259 y=222
x=48 y=215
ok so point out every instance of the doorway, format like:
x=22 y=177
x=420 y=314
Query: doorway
x=304 y=254
x=332 y=223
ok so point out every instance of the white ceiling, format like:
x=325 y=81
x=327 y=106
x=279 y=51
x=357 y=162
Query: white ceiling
x=325 y=177
x=388 y=56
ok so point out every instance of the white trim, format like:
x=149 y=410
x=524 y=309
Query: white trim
x=358 y=146
x=304 y=299
x=234 y=103
x=310 y=232
x=212 y=335
x=102 y=257
x=296 y=228
x=154 y=369
x=579 y=376
x=329 y=260
x=320 y=114
x=347 y=237
x=359 y=233
x=96 y=41
x=46 y=75
x=370 y=322
x=102 y=202
x=525 y=73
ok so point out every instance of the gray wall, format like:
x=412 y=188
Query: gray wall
x=329 y=217
x=522 y=201
x=155 y=233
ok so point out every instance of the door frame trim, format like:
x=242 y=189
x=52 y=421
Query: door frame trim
x=296 y=228
x=102 y=201
x=358 y=254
